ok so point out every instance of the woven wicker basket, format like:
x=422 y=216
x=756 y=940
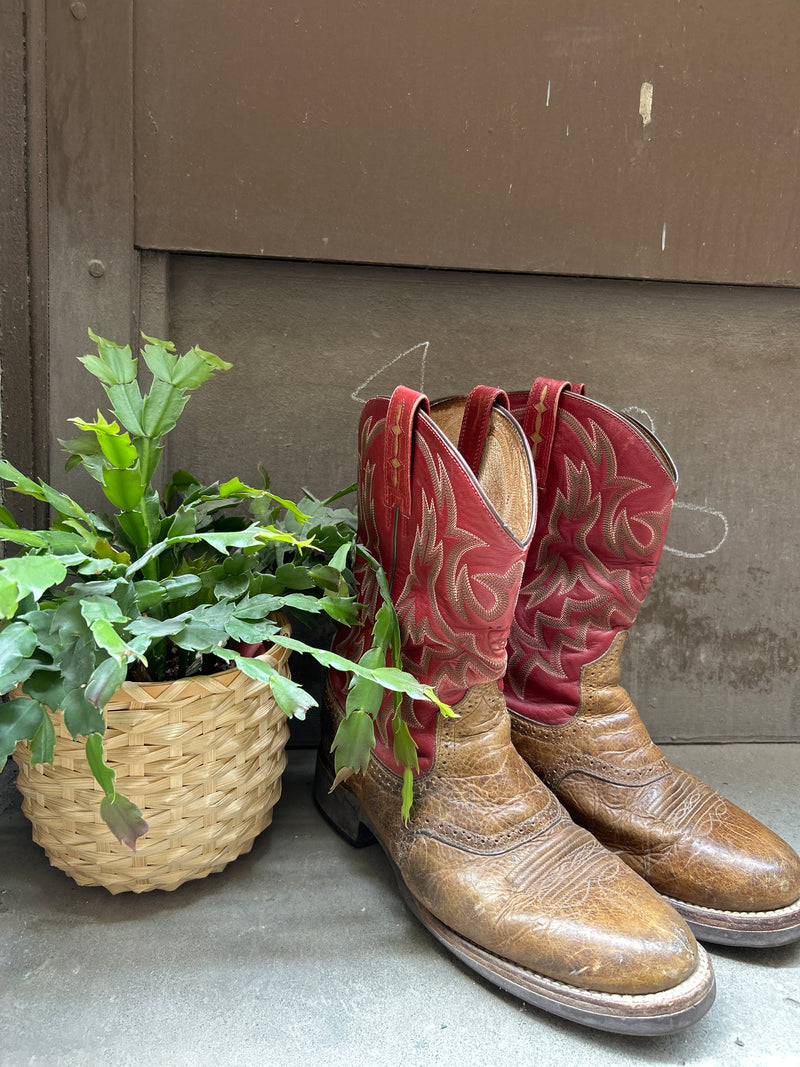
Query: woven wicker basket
x=202 y=757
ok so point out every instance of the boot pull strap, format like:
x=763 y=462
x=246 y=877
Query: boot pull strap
x=475 y=422
x=539 y=421
x=403 y=407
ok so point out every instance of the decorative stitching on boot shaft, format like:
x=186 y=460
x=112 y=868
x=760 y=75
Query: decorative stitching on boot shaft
x=602 y=521
x=455 y=560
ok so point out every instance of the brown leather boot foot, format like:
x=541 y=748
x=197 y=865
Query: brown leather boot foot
x=732 y=879
x=493 y=867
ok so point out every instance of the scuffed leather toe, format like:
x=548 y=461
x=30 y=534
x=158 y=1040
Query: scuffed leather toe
x=723 y=858
x=559 y=904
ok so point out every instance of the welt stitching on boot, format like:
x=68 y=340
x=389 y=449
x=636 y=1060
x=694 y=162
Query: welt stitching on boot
x=606 y=487
x=489 y=861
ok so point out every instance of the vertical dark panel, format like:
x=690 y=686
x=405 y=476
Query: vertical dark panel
x=38 y=252
x=92 y=262
x=16 y=385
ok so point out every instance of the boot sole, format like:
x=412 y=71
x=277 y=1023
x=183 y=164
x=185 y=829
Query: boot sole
x=743 y=929
x=646 y=1014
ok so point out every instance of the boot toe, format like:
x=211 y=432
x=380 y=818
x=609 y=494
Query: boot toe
x=746 y=881
x=733 y=864
x=635 y=954
x=747 y=901
x=569 y=910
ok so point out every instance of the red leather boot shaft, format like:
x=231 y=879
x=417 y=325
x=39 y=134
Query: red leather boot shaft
x=451 y=540
x=606 y=488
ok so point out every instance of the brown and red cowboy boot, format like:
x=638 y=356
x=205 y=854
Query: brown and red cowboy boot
x=606 y=488
x=489 y=861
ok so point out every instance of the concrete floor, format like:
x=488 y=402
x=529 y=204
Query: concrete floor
x=302 y=953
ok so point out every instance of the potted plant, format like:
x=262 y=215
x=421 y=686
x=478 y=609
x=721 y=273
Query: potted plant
x=149 y=644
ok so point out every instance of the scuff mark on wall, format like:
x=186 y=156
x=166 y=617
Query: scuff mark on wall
x=646 y=103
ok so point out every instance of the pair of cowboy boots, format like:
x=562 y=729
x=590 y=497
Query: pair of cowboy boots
x=517 y=621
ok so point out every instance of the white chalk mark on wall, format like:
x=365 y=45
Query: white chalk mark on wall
x=642 y=416
x=646 y=103
x=664 y=237
x=547 y=101
x=703 y=510
x=418 y=352
x=646 y=419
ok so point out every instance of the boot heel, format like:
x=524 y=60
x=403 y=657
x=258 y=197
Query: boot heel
x=340 y=808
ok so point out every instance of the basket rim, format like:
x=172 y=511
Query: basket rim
x=276 y=654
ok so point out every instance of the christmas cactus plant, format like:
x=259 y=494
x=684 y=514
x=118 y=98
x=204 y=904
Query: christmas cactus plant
x=172 y=581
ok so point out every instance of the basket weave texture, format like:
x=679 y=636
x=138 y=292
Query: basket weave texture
x=202 y=757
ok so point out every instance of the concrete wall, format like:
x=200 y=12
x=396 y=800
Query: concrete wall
x=714 y=369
